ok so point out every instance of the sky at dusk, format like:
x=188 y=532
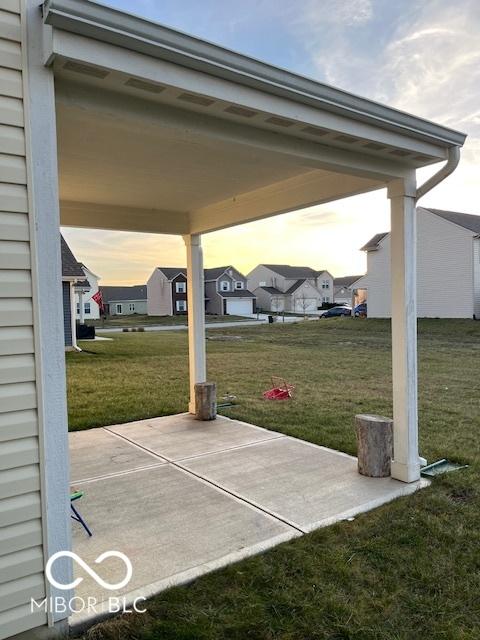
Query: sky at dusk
x=421 y=56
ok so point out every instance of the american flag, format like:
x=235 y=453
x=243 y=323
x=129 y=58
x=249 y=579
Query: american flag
x=99 y=300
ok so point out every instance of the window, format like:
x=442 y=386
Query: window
x=181 y=305
x=131 y=306
x=238 y=284
x=262 y=284
x=326 y=298
x=180 y=287
x=86 y=308
x=78 y=308
x=118 y=308
x=325 y=284
x=224 y=285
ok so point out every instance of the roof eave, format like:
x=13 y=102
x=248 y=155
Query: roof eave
x=126 y=30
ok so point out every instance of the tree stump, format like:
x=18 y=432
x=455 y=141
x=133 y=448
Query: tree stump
x=205 y=401
x=374 y=445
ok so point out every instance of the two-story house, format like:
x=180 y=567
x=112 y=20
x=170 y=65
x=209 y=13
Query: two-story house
x=281 y=287
x=226 y=292
x=448 y=267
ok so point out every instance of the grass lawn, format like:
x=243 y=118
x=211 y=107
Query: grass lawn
x=139 y=320
x=406 y=570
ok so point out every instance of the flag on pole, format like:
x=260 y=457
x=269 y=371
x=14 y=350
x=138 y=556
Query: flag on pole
x=99 y=300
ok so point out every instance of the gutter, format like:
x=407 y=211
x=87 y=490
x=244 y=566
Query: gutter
x=453 y=158
x=94 y=20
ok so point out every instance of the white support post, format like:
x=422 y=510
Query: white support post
x=81 y=306
x=196 y=314
x=405 y=463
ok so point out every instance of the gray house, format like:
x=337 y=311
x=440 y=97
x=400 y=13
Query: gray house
x=345 y=290
x=72 y=275
x=281 y=287
x=226 y=292
x=125 y=301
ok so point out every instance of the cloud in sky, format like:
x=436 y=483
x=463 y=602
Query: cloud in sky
x=421 y=56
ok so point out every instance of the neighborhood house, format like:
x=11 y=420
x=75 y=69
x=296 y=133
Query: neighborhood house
x=72 y=274
x=125 y=301
x=448 y=267
x=346 y=291
x=281 y=287
x=226 y=292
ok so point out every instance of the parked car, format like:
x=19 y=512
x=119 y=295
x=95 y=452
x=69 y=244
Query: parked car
x=335 y=312
x=360 y=310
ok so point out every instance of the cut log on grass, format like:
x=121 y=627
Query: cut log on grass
x=205 y=401
x=374 y=445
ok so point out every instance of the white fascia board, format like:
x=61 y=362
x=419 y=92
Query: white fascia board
x=146 y=37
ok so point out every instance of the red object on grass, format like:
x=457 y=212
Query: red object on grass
x=281 y=390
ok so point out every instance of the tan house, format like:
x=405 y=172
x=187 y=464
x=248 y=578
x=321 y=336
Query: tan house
x=448 y=267
x=226 y=292
x=281 y=287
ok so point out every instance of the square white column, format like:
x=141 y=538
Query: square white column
x=196 y=314
x=405 y=464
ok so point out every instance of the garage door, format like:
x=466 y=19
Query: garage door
x=305 y=305
x=239 y=307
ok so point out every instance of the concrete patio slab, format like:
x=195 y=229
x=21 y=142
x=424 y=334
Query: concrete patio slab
x=97 y=452
x=181 y=497
x=303 y=484
x=171 y=525
x=179 y=437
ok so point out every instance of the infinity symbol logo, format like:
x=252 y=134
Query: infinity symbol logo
x=91 y=572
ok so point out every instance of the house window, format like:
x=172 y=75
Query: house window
x=180 y=287
x=86 y=308
x=118 y=308
x=131 y=306
x=326 y=298
x=262 y=284
x=238 y=284
x=78 y=308
x=224 y=285
x=181 y=305
x=325 y=284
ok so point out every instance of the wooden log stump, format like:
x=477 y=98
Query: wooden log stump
x=374 y=445
x=205 y=401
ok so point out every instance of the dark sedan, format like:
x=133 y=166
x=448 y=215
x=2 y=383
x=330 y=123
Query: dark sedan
x=335 y=312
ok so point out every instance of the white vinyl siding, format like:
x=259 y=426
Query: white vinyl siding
x=476 y=278
x=21 y=552
x=444 y=271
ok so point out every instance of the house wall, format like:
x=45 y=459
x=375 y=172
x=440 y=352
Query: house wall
x=140 y=307
x=444 y=271
x=87 y=296
x=178 y=296
x=214 y=303
x=300 y=298
x=159 y=295
x=21 y=512
x=67 y=313
x=328 y=293
x=476 y=278
x=262 y=274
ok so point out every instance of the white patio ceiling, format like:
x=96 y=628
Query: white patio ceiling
x=160 y=132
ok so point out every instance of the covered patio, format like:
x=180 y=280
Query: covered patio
x=109 y=121
x=183 y=498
